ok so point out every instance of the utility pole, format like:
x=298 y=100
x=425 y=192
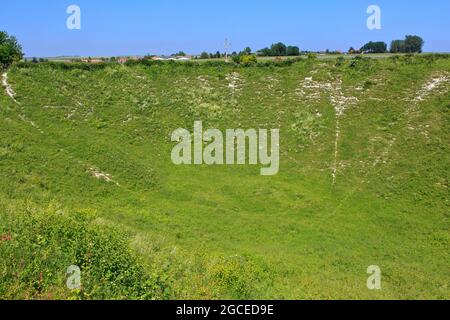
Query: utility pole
x=227 y=46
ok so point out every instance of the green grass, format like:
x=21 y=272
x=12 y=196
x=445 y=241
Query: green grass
x=226 y=232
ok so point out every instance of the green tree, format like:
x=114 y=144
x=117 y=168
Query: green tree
x=374 y=47
x=278 y=49
x=266 y=52
x=178 y=54
x=397 y=46
x=204 y=55
x=293 y=51
x=247 y=51
x=10 y=50
x=413 y=44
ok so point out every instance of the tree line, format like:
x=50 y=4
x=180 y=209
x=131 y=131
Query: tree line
x=275 y=50
x=411 y=44
x=11 y=50
x=279 y=49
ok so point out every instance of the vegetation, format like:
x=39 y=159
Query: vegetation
x=279 y=49
x=204 y=55
x=39 y=241
x=10 y=50
x=374 y=47
x=411 y=44
x=245 y=59
x=86 y=179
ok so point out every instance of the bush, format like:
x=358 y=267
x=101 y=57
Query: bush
x=339 y=61
x=236 y=277
x=280 y=63
x=245 y=59
x=311 y=56
x=361 y=63
x=248 y=59
x=65 y=65
x=39 y=245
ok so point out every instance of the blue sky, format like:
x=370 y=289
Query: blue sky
x=119 y=27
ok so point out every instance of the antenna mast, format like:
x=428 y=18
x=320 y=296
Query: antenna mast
x=227 y=46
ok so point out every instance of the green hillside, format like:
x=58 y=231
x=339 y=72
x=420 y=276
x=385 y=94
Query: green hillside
x=86 y=179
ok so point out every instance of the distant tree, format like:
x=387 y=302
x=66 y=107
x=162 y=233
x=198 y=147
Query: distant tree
x=413 y=44
x=10 y=50
x=247 y=51
x=178 y=54
x=374 y=47
x=266 y=52
x=293 y=51
x=278 y=49
x=397 y=46
x=204 y=55
x=218 y=55
x=35 y=60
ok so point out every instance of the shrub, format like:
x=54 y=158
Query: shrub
x=236 y=277
x=339 y=61
x=248 y=59
x=311 y=56
x=245 y=59
x=42 y=244
x=361 y=63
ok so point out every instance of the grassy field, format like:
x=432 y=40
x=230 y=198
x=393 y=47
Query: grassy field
x=86 y=179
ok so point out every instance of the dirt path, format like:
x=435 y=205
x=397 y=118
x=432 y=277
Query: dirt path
x=9 y=90
x=433 y=86
x=312 y=90
x=96 y=173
